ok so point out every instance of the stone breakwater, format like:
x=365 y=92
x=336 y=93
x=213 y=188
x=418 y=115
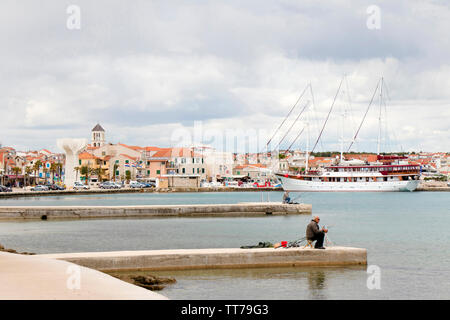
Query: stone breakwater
x=218 y=258
x=146 y=211
x=21 y=193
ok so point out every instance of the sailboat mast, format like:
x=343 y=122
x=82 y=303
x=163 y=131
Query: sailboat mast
x=342 y=133
x=307 y=140
x=379 y=118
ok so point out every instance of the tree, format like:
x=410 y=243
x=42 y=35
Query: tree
x=36 y=167
x=99 y=172
x=45 y=170
x=53 y=169
x=16 y=171
x=59 y=167
x=115 y=167
x=77 y=170
x=28 y=172
x=85 y=171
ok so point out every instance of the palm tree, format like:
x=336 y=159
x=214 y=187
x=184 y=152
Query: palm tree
x=28 y=172
x=115 y=167
x=59 y=167
x=77 y=170
x=16 y=171
x=86 y=171
x=37 y=165
x=45 y=170
x=53 y=169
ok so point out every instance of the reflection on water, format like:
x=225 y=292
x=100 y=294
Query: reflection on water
x=289 y=283
x=316 y=281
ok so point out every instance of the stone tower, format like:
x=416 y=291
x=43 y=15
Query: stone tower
x=98 y=136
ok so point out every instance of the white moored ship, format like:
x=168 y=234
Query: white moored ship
x=387 y=173
x=387 y=176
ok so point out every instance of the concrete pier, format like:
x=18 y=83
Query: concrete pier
x=191 y=210
x=183 y=259
x=39 y=278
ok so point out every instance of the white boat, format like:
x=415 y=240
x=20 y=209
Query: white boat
x=389 y=176
x=388 y=173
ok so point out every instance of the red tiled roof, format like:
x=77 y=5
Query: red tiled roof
x=86 y=156
x=128 y=156
x=135 y=148
x=255 y=165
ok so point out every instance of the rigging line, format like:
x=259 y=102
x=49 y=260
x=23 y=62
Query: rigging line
x=320 y=134
x=306 y=105
x=350 y=104
x=295 y=140
x=314 y=111
x=387 y=91
x=365 y=114
x=292 y=109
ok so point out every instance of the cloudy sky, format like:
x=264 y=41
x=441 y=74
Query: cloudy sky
x=153 y=72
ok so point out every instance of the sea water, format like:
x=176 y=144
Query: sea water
x=406 y=234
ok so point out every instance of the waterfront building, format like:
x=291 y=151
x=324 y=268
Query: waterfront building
x=256 y=172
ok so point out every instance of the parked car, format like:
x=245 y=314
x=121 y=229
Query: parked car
x=119 y=184
x=108 y=185
x=148 y=184
x=79 y=186
x=54 y=187
x=5 y=189
x=135 y=184
x=39 y=188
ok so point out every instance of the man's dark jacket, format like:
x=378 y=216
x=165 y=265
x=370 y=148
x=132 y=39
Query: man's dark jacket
x=312 y=230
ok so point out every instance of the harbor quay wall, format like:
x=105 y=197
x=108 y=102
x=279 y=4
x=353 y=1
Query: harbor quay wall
x=15 y=193
x=145 y=211
x=220 y=258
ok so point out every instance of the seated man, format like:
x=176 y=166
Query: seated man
x=313 y=233
x=286 y=198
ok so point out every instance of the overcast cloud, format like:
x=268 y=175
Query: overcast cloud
x=148 y=69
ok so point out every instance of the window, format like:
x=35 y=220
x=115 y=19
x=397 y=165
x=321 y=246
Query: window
x=79 y=162
x=127 y=161
x=193 y=170
x=158 y=171
x=203 y=170
x=198 y=170
x=184 y=170
x=117 y=173
x=148 y=172
x=148 y=163
x=193 y=160
x=117 y=161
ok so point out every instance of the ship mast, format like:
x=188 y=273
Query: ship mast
x=307 y=141
x=342 y=132
x=379 y=118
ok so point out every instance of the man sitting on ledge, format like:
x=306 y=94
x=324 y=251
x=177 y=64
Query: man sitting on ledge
x=313 y=233
x=286 y=198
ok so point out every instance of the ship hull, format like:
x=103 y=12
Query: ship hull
x=292 y=184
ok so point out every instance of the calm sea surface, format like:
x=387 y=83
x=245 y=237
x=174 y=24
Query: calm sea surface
x=407 y=235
